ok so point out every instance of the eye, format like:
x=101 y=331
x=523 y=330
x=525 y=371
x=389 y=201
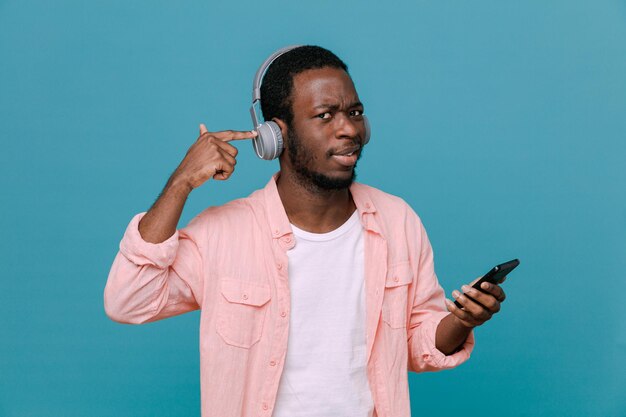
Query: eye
x=325 y=115
x=354 y=113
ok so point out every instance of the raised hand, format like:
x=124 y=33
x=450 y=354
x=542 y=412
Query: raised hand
x=211 y=156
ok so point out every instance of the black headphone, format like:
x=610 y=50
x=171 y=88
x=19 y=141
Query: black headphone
x=268 y=144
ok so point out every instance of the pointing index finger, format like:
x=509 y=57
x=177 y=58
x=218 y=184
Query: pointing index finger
x=228 y=135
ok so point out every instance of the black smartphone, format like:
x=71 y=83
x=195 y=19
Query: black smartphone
x=494 y=276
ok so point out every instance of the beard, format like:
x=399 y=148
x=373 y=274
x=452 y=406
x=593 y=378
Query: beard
x=301 y=158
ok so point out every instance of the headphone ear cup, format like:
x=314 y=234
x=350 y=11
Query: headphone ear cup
x=269 y=142
x=368 y=130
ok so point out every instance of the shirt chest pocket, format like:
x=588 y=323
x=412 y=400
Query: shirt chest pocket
x=394 y=310
x=241 y=312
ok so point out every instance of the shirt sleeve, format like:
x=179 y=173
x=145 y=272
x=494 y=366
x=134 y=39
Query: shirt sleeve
x=149 y=281
x=428 y=309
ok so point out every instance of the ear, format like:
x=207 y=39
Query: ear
x=283 y=129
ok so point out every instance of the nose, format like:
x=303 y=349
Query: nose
x=347 y=127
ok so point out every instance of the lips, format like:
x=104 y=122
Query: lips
x=347 y=156
x=347 y=151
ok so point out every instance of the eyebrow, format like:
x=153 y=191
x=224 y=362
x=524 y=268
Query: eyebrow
x=336 y=106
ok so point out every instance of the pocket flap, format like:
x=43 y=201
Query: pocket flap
x=398 y=275
x=243 y=292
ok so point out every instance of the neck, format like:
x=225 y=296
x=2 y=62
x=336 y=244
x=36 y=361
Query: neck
x=311 y=208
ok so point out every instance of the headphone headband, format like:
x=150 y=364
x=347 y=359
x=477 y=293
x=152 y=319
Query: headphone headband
x=255 y=110
x=256 y=84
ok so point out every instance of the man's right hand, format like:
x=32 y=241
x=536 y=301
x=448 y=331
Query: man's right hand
x=211 y=156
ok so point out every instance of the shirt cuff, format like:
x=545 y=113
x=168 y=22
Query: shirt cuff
x=432 y=356
x=140 y=252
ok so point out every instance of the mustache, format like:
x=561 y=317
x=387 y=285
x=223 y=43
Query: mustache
x=344 y=150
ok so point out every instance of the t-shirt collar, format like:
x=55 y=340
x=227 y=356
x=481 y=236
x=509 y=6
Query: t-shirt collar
x=279 y=222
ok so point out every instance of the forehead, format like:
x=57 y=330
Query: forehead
x=323 y=86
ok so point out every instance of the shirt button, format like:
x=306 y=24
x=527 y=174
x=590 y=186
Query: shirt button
x=272 y=363
x=367 y=205
x=287 y=240
x=279 y=266
x=276 y=232
x=283 y=314
x=396 y=279
x=265 y=406
x=245 y=296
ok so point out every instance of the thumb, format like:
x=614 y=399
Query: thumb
x=203 y=129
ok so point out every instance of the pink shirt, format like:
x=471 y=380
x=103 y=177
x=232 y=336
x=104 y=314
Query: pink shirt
x=231 y=262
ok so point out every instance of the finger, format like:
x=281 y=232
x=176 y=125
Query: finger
x=203 y=129
x=230 y=159
x=488 y=300
x=477 y=311
x=221 y=176
x=475 y=281
x=224 y=172
x=494 y=290
x=228 y=135
x=463 y=316
x=228 y=148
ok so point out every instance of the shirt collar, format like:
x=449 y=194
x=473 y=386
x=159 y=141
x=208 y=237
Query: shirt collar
x=279 y=222
x=366 y=207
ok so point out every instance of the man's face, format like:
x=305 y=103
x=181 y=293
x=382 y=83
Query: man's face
x=326 y=135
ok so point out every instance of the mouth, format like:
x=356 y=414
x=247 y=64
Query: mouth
x=348 y=151
x=347 y=156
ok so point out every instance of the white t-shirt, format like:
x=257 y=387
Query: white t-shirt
x=325 y=370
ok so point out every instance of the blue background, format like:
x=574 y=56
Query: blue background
x=502 y=124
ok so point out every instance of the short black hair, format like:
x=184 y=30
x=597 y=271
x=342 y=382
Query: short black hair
x=277 y=83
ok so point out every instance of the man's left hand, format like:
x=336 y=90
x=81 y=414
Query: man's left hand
x=483 y=303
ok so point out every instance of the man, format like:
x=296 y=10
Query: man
x=316 y=293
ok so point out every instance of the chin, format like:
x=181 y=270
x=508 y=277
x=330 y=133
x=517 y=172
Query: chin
x=327 y=182
x=329 y=179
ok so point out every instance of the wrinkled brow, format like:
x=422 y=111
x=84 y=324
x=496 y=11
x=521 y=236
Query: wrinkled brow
x=335 y=106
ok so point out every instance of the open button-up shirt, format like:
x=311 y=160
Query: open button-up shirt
x=231 y=262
